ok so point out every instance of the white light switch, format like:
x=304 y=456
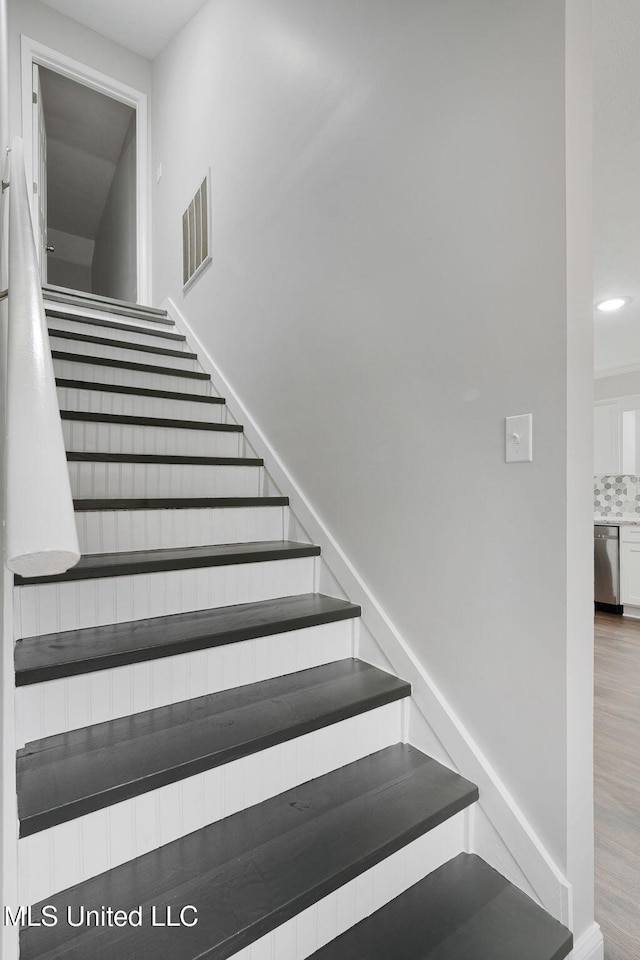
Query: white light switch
x=518 y=438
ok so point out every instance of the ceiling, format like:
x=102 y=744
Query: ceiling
x=85 y=135
x=144 y=26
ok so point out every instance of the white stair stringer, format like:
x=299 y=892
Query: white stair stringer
x=75 y=369
x=127 y=354
x=57 y=706
x=69 y=853
x=91 y=479
x=137 y=405
x=95 y=437
x=113 y=531
x=74 y=604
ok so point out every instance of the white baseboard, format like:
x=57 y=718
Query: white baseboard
x=631 y=611
x=590 y=946
x=543 y=876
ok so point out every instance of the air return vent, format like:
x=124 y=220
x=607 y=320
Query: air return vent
x=195 y=234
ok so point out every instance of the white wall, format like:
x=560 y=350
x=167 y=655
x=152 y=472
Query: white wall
x=69 y=265
x=47 y=26
x=65 y=273
x=389 y=280
x=114 y=268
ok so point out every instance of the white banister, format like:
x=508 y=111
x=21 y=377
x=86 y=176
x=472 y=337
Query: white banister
x=40 y=531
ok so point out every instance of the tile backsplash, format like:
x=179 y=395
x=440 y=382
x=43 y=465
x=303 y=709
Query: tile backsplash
x=616 y=496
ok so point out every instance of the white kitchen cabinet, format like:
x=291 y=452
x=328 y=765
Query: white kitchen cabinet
x=630 y=565
x=617 y=436
x=607 y=436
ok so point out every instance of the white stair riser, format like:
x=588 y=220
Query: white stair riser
x=56 y=706
x=76 y=370
x=88 y=312
x=70 y=605
x=324 y=921
x=134 y=405
x=93 y=437
x=122 y=353
x=72 y=852
x=104 y=479
x=111 y=531
x=114 y=333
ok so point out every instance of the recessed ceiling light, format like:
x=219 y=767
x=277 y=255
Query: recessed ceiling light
x=608 y=306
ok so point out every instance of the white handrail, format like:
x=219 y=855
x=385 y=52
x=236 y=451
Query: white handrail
x=41 y=536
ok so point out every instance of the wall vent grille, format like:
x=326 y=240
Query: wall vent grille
x=196 y=243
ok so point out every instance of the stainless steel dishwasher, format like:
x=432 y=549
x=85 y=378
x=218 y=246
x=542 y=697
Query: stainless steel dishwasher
x=606 y=540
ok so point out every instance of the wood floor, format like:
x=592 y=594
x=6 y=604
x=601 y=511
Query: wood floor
x=617 y=783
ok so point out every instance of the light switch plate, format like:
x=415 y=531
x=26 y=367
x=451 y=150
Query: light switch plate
x=518 y=438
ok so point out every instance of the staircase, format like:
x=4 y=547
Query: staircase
x=199 y=746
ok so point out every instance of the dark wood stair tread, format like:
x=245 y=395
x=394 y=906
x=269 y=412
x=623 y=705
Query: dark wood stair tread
x=72 y=774
x=88 y=417
x=176 y=558
x=178 y=503
x=80 y=456
x=120 y=344
x=135 y=391
x=54 y=314
x=464 y=910
x=130 y=365
x=73 y=652
x=251 y=872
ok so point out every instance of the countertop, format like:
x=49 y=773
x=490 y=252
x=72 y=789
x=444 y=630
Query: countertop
x=615 y=521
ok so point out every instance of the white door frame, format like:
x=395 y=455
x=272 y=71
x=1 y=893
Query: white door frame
x=39 y=156
x=34 y=52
